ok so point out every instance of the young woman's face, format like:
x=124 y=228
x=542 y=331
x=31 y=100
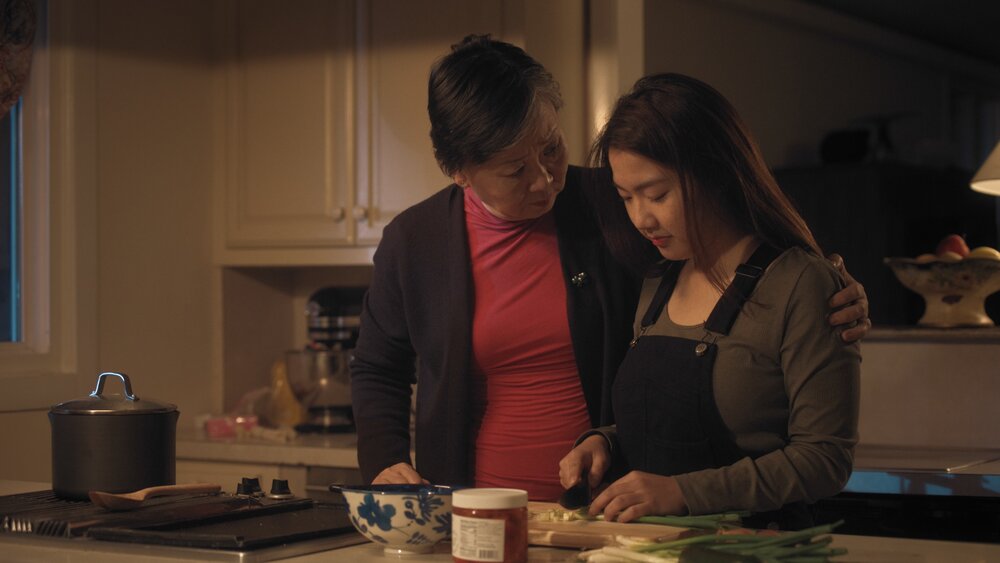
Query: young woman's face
x=522 y=181
x=654 y=201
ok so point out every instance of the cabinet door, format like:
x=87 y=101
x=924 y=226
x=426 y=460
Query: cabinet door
x=398 y=42
x=289 y=122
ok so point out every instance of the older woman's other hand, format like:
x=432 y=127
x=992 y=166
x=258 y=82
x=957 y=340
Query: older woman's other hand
x=399 y=474
x=592 y=457
x=639 y=494
x=850 y=305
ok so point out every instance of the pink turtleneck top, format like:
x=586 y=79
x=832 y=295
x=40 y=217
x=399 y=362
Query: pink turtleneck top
x=521 y=348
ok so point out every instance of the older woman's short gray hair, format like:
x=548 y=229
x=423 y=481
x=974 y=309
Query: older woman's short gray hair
x=481 y=98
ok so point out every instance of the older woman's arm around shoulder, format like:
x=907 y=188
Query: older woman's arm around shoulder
x=382 y=372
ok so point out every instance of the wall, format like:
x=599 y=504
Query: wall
x=940 y=394
x=155 y=169
x=930 y=394
x=146 y=141
x=791 y=84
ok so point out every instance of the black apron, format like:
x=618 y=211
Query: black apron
x=668 y=422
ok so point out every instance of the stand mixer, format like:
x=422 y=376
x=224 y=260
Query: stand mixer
x=319 y=374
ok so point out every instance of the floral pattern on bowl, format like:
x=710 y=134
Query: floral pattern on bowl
x=403 y=518
x=954 y=292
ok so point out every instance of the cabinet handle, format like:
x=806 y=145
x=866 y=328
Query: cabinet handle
x=338 y=214
x=360 y=214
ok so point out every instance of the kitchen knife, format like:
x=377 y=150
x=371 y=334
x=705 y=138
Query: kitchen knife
x=576 y=496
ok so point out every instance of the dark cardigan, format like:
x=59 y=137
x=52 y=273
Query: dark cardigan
x=417 y=318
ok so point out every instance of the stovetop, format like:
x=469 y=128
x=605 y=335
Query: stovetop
x=217 y=527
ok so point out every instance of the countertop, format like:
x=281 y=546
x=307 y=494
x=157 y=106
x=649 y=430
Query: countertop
x=17 y=548
x=861 y=549
x=925 y=471
x=877 y=468
x=921 y=334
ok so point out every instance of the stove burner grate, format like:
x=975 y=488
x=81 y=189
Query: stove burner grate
x=43 y=513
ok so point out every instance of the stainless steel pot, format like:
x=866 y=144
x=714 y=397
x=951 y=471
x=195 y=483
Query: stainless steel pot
x=114 y=443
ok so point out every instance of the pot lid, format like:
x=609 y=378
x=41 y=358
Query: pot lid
x=99 y=403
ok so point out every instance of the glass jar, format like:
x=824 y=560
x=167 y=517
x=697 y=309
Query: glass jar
x=489 y=525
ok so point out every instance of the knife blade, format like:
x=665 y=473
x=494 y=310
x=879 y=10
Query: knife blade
x=576 y=496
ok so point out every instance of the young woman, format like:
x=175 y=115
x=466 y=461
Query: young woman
x=736 y=393
x=497 y=294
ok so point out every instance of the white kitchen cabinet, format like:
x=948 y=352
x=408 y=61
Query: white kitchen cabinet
x=287 y=79
x=324 y=132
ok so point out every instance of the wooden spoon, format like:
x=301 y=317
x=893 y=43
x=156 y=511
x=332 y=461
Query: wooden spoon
x=126 y=501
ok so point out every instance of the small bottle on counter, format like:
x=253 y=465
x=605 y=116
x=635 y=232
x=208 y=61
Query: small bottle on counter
x=489 y=525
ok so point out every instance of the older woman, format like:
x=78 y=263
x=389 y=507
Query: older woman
x=497 y=294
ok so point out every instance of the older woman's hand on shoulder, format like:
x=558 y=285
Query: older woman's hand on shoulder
x=850 y=305
x=639 y=494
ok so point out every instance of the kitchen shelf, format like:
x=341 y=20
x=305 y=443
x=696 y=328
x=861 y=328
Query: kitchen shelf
x=984 y=335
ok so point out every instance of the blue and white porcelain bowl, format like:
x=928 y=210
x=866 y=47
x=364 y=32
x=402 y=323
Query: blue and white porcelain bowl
x=403 y=518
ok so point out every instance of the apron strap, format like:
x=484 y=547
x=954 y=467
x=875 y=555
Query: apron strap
x=663 y=291
x=747 y=274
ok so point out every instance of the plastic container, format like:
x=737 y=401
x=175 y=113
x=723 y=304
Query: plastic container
x=489 y=525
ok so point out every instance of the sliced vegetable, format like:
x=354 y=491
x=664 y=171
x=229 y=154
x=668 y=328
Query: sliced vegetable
x=805 y=546
x=702 y=554
x=705 y=521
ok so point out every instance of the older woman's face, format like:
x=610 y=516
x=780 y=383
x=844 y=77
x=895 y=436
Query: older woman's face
x=522 y=181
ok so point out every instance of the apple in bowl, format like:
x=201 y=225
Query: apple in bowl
x=954 y=244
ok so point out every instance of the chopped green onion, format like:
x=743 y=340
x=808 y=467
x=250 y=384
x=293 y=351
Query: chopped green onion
x=707 y=521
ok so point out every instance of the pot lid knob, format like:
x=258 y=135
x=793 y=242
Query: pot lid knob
x=125 y=382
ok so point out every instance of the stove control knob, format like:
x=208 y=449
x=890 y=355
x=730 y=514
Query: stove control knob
x=279 y=489
x=251 y=486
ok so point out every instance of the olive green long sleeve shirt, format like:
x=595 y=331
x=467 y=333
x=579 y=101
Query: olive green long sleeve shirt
x=785 y=385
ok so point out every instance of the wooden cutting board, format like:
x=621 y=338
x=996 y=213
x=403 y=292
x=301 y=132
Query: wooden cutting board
x=593 y=534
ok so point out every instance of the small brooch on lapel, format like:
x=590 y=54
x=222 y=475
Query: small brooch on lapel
x=579 y=280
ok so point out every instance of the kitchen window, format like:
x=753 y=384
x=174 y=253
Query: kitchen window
x=10 y=231
x=39 y=347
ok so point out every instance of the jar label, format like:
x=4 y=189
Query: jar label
x=477 y=539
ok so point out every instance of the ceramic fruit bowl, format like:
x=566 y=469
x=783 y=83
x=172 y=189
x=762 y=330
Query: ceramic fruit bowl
x=405 y=519
x=954 y=290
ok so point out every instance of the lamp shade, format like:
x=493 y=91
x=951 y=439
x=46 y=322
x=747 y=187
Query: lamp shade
x=987 y=179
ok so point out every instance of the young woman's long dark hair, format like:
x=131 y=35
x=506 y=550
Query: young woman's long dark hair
x=688 y=126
